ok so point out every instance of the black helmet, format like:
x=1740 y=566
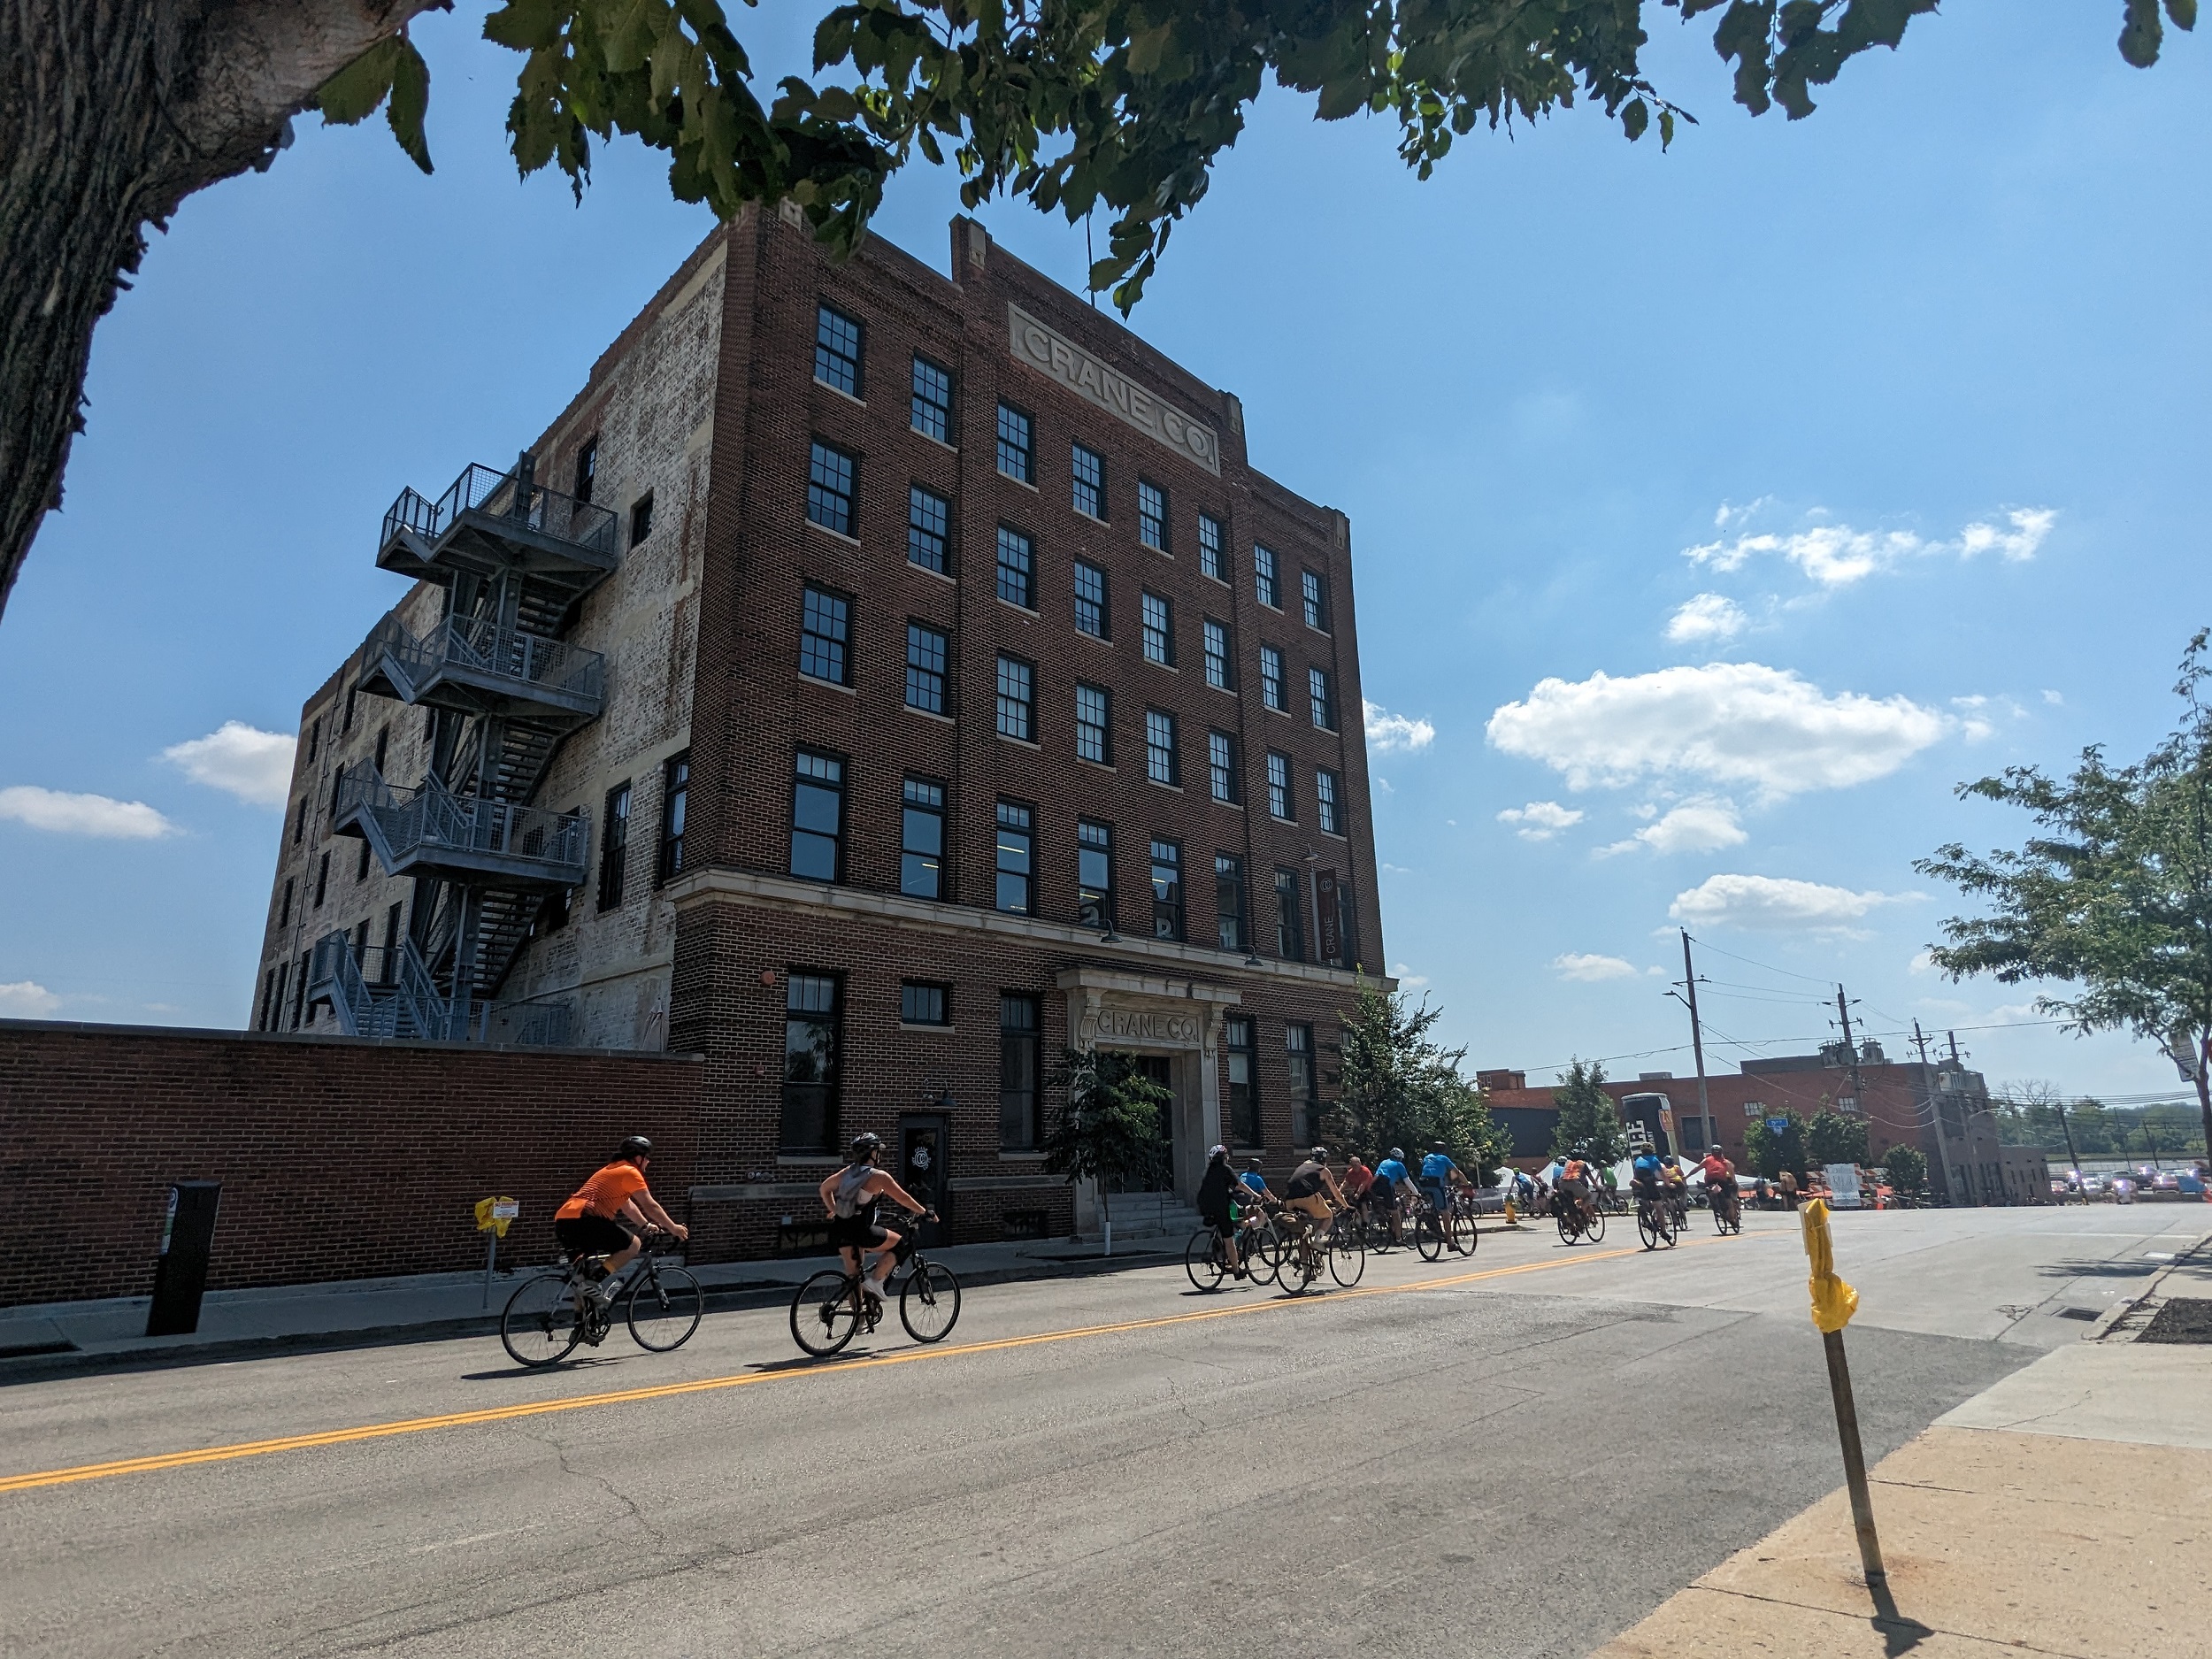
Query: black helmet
x=1252 y=1163
x=637 y=1147
x=866 y=1145
x=1436 y=1146
x=1321 y=1155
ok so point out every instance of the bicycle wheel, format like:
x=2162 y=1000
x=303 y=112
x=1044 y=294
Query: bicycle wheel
x=1262 y=1253
x=1297 y=1269
x=541 y=1325
x=1201 y=1260
x=1670 y=1234
x=1348 y=1259
x=1596 y=1230
x=1428 y=1237
x=1457 y=1228
x=1720 y=1219
x=1568 y=1230
x=1646 y=1226
x=929 y=1307
x=664 y=1308
x=823 y=1318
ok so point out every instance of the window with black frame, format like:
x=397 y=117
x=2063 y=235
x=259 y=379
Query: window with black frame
x=812 y=1006
x=922 y=840
x=922 y=1003
x=1167 y=890
x=833 y=481
x=1017 y=699
x=817 y=815
x=933 y=401
x=1326 y=797
x=1213 y=545
x=1264 y=587
x=1018 y=1024
x=1016 y=860
x=1305 y=1099
x=1159 y=630
x=1220 y=660
x=837 y=350
x=1314 y=592
x=1094 y=874
x=1093 y=615
x=1016 y=568
x=1087 y=474
x=1152 y=520
x=1163 y=762
x=1279 y=803
x=927 y=654
x=1221 y=767
x=1272 y=692
x=1229 y=914
x=1290 y=926
x=1015 y=436
x=675 y=797
x=1240 y=1042
x=614 y=846
x=825 y=635
x=1322 y=696
x=928 y=530
x=1094 y=725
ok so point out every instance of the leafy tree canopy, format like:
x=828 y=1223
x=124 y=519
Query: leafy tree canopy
x=1107 y=1130
x=1589 y=1122
x=1906 y=1168
x=1771 y=1151
x=1836 y=1138
x=1399 y=1087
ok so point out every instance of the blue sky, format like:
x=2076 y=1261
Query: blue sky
x=1713 y=512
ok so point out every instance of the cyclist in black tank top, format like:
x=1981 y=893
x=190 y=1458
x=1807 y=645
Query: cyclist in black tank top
x=851 y=1197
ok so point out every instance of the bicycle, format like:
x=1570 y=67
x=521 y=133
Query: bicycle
x=550 y=1312
x=1574 y=1224
x=1206 y=1257
x=1727 y=1213
x=1654 y=1222
x=1305 y=1256
x=830 y=1308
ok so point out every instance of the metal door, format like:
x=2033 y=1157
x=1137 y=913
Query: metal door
x=926 y=1170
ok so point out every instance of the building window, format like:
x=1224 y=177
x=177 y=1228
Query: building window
x=1211 y=544
x=1263 y=577
x=315 y=738
x=922 y=1004
x=1017 y=860
x=1087 y=472
x=1305 y=1113
x=1014 y=437
x=299 y=822
x=361 y=864
x=1094 y=874
x=1220 y=662
x=1278 y=800
x=1315 y=592
x=1221 y=766
x=824 y=631
x=1094 y=725
x=837 y=350
x=1159 y=631
x=1272 y=691
x=1017 y=569
x=1167 y=890
x=641 y=518
x=346 y=724
x=1161 y=761
x=383 y=746
x=1322 y=699
x=832 y=481
x=284 y=912
x=675 y=793
x=1240 y=1040
x=1018 y=1042
x=927 y=653
x=390 y=970
x=268 y=996
x=929 y=529
x=933 y=401
x=1229 y=902
x=1325 y=790
x=922 y=840
x=614 y=846
x=810 y=1063
x=1290 y=926
x=586 y=470
x=1152 y=515
x=1017 y=698
x=817 y=815
x=322 y=879
x=1092 y=614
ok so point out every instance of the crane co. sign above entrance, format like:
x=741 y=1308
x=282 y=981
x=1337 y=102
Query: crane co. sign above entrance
x=1130 y=1024
x=1053 y=353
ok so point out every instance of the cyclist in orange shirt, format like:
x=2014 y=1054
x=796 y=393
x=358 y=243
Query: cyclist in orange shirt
x=590 y=1223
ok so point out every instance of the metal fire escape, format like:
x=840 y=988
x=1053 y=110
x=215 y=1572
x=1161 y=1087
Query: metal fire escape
x=503 y=689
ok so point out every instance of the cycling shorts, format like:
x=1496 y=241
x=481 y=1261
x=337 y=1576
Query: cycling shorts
x=1313 y=1205
x=855 y=1232
x=591 y=1235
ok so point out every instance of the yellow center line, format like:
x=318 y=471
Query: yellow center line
x=708 y=1384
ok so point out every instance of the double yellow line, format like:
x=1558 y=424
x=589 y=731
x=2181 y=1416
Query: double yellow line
x=744 y=1379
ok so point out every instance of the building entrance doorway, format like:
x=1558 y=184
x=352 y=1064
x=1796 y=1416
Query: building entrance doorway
x=1160 y=1069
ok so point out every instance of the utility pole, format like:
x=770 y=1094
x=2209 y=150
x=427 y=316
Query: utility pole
x=1697 y=1040
x=1858 y=1086
x=1935 y=1109
x=2073 y=1158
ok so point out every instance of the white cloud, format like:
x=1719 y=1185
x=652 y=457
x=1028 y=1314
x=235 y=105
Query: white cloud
x=2054 y=699
x=243 y=760
x=95 y=815
x=1581 y=965
x=1730 y=723
x=1695 y=826
x=1391 y=733
x=25 y=999
x=1774 y=902
x=1540 y=820
x=1836 y=556
x=1707 y=616
x=1407 y=979
x=1921 y=962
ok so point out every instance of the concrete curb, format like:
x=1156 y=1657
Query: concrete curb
x=2119 y=1323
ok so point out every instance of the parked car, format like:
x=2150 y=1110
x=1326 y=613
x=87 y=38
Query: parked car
x=2191 y=1184
x=2092 y=1186
x=2060 y=1191
x=2123 y=1190
x=2164 y=1184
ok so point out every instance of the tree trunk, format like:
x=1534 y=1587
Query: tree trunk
x=111 y=112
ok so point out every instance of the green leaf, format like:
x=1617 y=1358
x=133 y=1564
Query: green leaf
x=2184 y=13
x=2141 y=33
x=529 y=25
x=410 y=102
x=1634 y=119
x=357 y=92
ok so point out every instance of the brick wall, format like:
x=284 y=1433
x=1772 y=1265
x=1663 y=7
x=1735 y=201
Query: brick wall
x=339 y=1159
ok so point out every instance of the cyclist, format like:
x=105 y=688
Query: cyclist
x=1357 y=1178
x=1256 y=1182
x=850 y=1197
x=1313 y=1192
x=1678 y=1189
x=1720 y=1181
x=1216 y=1189
x=1574 y=1187
x=1391 y=1184
x=1438 y=1173
x=589 y=1224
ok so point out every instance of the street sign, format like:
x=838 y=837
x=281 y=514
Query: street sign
x=494 y=1214
x=1843 y=1185
x=1777 y=1124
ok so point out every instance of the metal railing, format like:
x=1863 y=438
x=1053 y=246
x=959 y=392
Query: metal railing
x=497 y=495
x=433 y=820
x=483 y=646
x=390 y=994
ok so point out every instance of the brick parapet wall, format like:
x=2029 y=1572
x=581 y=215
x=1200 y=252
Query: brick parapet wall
x=340 y=1158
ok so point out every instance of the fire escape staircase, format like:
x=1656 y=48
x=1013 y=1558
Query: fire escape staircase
x=503 y=690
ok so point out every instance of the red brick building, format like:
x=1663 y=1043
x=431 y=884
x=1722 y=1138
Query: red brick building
x=876 y=682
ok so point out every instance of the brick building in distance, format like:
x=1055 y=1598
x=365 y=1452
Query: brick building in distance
x=1942 y=1110
x=876 y=683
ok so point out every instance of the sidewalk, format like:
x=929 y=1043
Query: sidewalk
x=68 y=1335
x=2062 y=1511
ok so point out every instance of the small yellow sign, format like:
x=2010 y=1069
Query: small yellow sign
x=1834 y=1300
x=493 y=1215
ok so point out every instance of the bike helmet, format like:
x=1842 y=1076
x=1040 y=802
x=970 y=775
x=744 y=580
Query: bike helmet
x=1321 y=1155
x=1214 y=1153
x=1436 y=1146
x=866 y=1145
x=1252 y=1163
x=1398 y=1153
x=637 y=1147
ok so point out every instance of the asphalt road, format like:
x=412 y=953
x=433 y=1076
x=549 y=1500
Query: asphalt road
x=1520 y=1454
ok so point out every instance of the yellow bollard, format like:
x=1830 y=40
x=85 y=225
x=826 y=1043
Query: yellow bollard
x=1833 y=1304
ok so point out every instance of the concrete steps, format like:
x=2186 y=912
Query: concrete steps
x=1142 y=1218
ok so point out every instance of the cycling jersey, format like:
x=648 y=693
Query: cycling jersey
x=1438 y=1167
x=1389 y=1172
x=853 y=1209
x=1305 y=1181
x=1254 y=1180
x=1716 y=1169
x=1214 y=1188
x=604 y=1193
x=1356 y=1180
